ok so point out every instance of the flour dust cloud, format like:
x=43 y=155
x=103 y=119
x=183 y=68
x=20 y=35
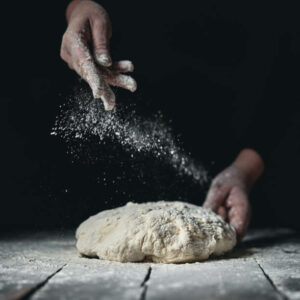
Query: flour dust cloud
x=82 y=117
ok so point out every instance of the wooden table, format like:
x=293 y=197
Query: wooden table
x=45 y=265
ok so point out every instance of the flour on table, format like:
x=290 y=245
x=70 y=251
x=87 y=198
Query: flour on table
x=166 y=232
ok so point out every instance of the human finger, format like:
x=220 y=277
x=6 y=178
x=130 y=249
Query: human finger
x=239 y=212
x=123 y=81
x=100 y=30
x=86 y=67
x=216 y=196
x=123 y=66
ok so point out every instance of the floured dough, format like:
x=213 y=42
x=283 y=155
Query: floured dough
x=167 y=232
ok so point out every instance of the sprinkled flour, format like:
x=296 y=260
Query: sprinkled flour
x=81 y=118
x=162 y=231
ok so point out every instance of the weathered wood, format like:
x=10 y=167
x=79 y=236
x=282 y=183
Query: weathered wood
x=240 y=275
x=47 y=266
x=26 y=262
x=281 y=265
x=95 y=279
x=219 y=279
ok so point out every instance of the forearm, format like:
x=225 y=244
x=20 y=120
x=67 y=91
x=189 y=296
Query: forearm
x=251 y=164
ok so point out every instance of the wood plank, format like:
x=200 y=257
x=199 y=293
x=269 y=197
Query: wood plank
x=85 y=278
x=25 y=263
x=47 y=266
x=219 y=279
x=281 y=264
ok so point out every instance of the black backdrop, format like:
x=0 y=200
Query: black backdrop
x=226 y=73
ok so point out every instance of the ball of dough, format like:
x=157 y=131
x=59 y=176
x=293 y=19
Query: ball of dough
x=165 y=232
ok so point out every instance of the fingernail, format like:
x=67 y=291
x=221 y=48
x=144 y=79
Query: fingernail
x=104 y=60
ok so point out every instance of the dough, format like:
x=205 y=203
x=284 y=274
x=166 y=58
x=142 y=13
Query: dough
x=166 y=232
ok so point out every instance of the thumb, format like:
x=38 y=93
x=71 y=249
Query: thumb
x=100 y=35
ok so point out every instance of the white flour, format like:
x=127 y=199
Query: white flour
x=82 y=118
x=166 y=232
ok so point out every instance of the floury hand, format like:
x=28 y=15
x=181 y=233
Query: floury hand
x=85 y=48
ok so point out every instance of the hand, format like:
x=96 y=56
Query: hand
x=85 y=48
x=228 y=194
x=228 y=197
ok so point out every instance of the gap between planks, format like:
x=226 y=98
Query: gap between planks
x=25 y=294
x=273 y=284
x=144 y=284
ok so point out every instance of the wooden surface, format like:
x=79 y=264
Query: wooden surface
x=45 y=265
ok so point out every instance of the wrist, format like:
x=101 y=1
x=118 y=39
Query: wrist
x=250 y=163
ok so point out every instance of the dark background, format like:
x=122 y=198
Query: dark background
x=226 y=73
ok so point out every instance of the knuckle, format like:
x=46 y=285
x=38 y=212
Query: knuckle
x=66 y=38
x=99 y=20
x=100 y=45
x=216 y=184
x=63 y=54
x=67 y=43
x=70 y=66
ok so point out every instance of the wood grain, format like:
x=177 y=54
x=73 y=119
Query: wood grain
x=45 y=265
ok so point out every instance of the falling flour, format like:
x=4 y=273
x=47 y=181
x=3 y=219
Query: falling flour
x=81 y=118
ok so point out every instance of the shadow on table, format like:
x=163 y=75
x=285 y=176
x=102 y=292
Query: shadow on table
x=269 y=237
x=257 y=240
